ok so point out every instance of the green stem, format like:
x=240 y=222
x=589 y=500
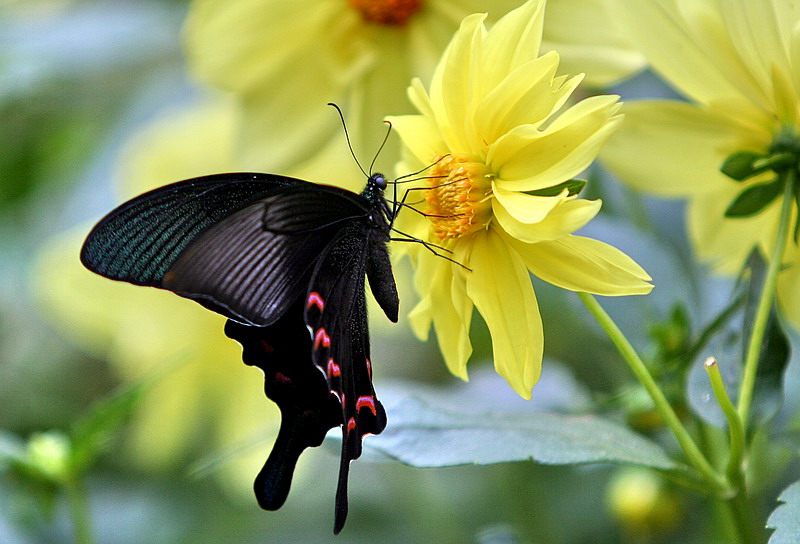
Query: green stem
x=637 y=366
x=765 y=302
x=735 y=427
x=79 y=507
x=740 y=514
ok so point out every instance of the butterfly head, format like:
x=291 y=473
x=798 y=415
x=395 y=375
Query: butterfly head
x=376 y=184
x=377 y=180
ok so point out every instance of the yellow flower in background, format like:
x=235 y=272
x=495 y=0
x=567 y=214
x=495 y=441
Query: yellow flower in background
x=498 y=195
x=737 y=60
x=284 y=60
x=205 y=395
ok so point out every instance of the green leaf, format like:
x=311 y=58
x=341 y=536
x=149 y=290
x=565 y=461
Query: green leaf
x=755 y=198
x=785 y=519
x=671 y=338
x=574 y=186
x=739 y=166
x=797 y=219
x=428 y=433
x=92 y=433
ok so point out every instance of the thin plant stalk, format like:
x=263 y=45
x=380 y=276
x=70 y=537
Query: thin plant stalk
x=765 y=301
x=79 y=508
x=637 y=366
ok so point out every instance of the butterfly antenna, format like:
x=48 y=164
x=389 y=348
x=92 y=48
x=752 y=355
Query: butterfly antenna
x=347 y=136
x=383 y=143
x=421 y=170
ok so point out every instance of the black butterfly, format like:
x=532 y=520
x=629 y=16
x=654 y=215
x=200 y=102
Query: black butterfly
x=285 y=261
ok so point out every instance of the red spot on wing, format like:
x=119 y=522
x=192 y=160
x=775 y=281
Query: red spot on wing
x=321 y=339
x=265 y=346
x=367 y=401
x=333 y=369
x=314 y=299
x=369 y=368
x=351 y=424
x=283 y=378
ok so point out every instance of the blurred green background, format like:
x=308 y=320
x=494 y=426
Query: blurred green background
x=78 y=80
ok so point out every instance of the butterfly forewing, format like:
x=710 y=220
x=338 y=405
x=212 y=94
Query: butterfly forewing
x=254 y=263
x=141 y=239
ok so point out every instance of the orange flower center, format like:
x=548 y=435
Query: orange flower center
x=387 y=12
x=458 y=199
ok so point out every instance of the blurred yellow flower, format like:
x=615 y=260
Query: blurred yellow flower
x=737 y=60
x=284 y=60
x=498 y=193
x=206 y=396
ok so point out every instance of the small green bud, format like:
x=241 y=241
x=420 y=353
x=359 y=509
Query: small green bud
x=49 y=454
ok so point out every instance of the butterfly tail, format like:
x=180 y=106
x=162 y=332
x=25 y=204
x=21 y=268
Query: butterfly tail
x=275 y=479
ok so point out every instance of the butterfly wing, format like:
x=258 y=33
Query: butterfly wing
x=243 y=245
x=254 y=263
x=336 y=315
x=138 y=241
x=308 y=408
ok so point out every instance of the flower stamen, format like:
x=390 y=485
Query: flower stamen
x=458 y=196
x=387 y=12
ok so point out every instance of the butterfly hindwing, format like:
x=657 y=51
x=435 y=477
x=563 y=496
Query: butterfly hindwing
x=336 y=316
x=308 y=409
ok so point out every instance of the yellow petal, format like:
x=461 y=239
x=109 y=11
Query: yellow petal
x=454 y=82
x=501 y=289
x=513 y=41
x=420 y=135
x=565 y=216
x=447 y=307
x=784 y=96
x=589 y=41
x=232 y=45
x=686 y=41
x=724 y=242
x=526 y=208
x=671 y=148
x=583 y=264
x=759 y=32
x=419 y=97
x=527 y=159
x=527 y=96
x=166 y=150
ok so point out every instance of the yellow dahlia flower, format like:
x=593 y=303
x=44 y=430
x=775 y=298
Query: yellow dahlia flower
x=284 y=60
x=737 y=60
x=145 y=331
x=498 y=196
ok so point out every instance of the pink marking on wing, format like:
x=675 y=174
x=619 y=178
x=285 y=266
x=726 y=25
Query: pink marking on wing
x=283 y=378
x=351 y=424
x=314 y=299
x=367 y=401
x=322 y=339
x=369 y=368
x=333 y=369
